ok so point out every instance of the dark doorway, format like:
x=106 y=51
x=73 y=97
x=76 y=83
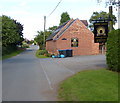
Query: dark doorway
x=102 y=48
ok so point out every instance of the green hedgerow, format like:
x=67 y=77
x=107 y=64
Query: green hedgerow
x=113 y=50
x=42 y=52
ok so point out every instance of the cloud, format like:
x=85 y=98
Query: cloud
x=23 y=4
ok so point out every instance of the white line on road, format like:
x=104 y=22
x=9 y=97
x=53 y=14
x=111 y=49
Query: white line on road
x=70 y=70
x=49 y=82
x=58 y=63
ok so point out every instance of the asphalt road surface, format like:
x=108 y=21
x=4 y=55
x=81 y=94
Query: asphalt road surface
x=27 y=78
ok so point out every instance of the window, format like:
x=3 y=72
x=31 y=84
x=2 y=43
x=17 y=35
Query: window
x=74 y=42
x=64 y=39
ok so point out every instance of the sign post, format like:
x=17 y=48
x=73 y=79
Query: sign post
x=100 y=32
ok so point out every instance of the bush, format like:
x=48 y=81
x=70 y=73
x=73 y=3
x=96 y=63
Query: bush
x=48 y=55
x=8 y=49
x=25 y=46
x=113 y=50
x=42 y=52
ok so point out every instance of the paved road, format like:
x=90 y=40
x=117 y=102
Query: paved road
x=27 y=78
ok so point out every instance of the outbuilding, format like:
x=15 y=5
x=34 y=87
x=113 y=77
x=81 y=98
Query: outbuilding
x=74 y=35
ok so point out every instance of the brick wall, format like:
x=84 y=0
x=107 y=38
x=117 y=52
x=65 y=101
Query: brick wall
x=51 y=47
x=85 y=37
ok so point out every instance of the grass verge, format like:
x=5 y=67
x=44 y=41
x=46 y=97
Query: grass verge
x=40 y=56
x=12 y=54
x=90 y=85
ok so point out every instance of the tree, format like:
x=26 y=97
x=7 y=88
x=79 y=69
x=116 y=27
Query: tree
x=9 y=31
x=11 y=34
x=108 y=1
x=40 y=38
x=48 y=33
x=100 y=15
x=52 y=28
x=19 y=30
x=64 y=17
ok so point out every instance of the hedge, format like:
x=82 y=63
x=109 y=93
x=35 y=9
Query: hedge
x=43 y=52
x=113 y=50
x=8 y=49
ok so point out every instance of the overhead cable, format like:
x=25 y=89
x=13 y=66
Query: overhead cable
x=54 y=8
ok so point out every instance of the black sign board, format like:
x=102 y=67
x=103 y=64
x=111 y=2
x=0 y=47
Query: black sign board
x=100 y=32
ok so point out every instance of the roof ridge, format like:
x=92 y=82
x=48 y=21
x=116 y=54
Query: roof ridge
x=64 y=29
x=63 y=24
x=56 y=36
x=56 y=31
x=84 y=22
x=60 y=30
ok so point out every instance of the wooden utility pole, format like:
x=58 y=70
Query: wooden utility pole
x=111 y=20
x=119 y=15
x=44 y=30
x=117 y=5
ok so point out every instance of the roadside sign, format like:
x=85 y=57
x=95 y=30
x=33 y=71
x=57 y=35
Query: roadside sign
x=100 y=32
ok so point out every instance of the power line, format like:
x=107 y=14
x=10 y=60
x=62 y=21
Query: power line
x=45 y=20
x=55 y=8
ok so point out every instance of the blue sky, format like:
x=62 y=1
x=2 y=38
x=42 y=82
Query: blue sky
x=31 y=13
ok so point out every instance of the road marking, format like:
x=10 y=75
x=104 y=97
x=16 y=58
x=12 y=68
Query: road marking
x=49 y=82
x=70 y=70
x=58 y=63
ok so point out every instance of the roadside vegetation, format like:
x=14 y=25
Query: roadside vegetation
x=25 y=44
x=90 y=85
x=103 y=15
x=113 y=50
x=11 y=35
x=12 y=54
x=42 y=54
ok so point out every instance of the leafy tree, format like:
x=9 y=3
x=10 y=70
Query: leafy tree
x=11 y=34
x=48 y=33
x=52 y=28
x=107 y=1
x=31 y=41
x=64 y=17
x=40 y=39
x=101 y=15
x=19 y=31
x=9 y=31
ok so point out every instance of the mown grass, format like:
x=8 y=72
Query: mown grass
x=90 y=85
x=40 y=56
x=12 y=54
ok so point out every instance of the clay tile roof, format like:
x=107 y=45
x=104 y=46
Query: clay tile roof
x=84 y=22
x=60 y=30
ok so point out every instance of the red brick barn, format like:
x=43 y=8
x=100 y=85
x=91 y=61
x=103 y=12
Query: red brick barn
x=74 y=35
